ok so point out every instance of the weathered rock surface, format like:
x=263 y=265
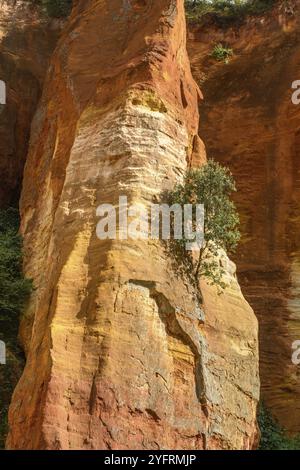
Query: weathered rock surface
x=250 y=124
x=26 y=42
x=119 y=352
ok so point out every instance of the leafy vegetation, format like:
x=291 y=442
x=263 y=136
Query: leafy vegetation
x=222 y=53
x=14 y=291
x=57 y=8
x=273 y=436
x=226 y=11
x=210 y=185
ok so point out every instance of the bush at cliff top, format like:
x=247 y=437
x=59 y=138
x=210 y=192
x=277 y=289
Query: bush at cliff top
x=226 y=9
x=57 y=8
x=212 y=186
x=273 y=436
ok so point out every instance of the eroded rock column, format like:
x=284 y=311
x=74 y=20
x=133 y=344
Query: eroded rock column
x=120 y=354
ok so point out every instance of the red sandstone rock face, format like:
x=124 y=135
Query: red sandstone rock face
x=26 y=41
x=250 y=124
x=120 y=354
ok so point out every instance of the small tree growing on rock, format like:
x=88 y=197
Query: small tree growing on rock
x=210 y=185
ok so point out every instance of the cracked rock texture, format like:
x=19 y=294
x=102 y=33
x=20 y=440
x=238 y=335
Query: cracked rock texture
x=120 y=353
x=249 y=123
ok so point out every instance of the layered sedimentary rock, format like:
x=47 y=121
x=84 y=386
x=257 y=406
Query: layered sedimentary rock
x=120 y=351
x=250 y=124
x=26 y=41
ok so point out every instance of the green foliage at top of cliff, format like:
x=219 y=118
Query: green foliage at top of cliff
x=14 y=292
x=273 y=436
x=56 y=8
x=226 y=11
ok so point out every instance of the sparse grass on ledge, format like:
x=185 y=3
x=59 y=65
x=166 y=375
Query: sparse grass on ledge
x=222 y=53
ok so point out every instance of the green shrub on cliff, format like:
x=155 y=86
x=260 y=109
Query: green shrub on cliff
x=57 y=8
x=273 y=436
x=211 y=185
x=222 y=53
x=226 y=10
x=14 y=291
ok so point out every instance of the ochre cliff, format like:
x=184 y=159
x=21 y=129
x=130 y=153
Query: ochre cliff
x=120 y=353
x=26 y=42
x=249 y=123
